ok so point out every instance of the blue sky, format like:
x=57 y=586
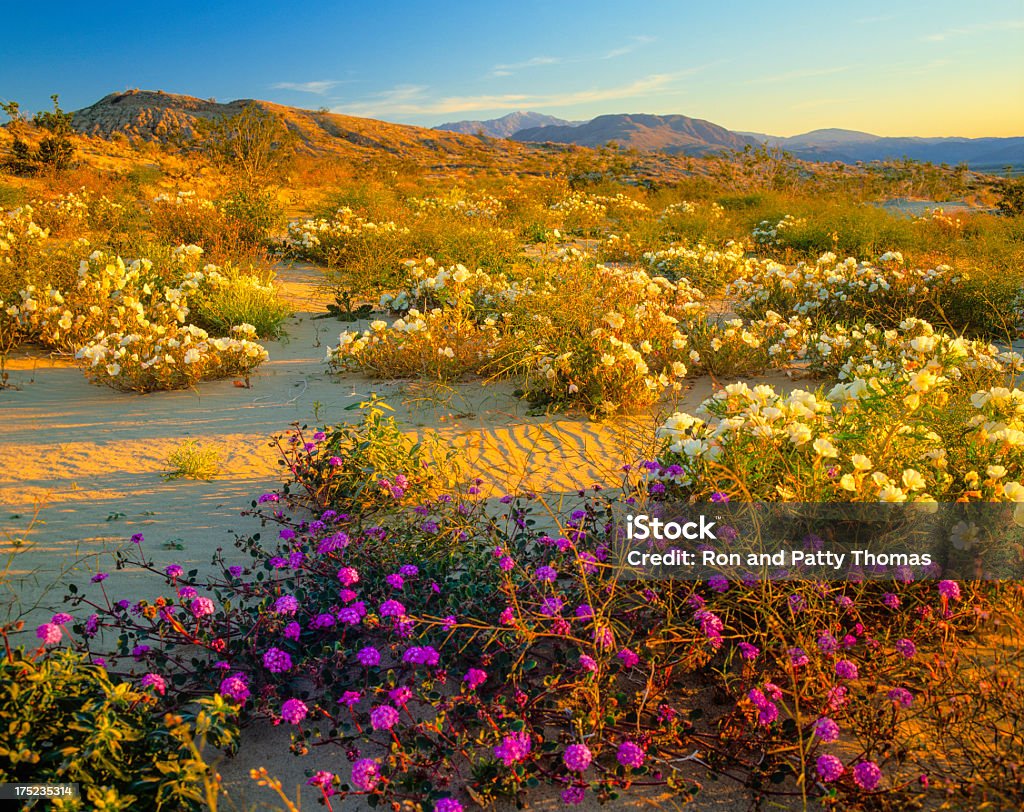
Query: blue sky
x=892 y=68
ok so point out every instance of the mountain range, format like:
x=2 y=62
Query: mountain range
x=156 y=115
x=113 y=132
x=690 y=136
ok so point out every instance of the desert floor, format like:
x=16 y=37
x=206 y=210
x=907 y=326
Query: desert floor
x=87 y=463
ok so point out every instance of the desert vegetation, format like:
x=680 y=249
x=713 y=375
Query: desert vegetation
x=446 y=644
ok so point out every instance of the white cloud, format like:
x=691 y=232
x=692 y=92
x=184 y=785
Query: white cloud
x=534 y=62
x=632 y=45
x=510 y=68
x=972 y=30
x=319 y=88
x=415 y=100
x=799 y=74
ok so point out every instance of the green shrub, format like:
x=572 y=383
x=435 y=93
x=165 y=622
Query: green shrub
x=256 y=213
x=366 y=466
x=1011 y=198
x=191 y=461
x=65 y=720
x=238 y=298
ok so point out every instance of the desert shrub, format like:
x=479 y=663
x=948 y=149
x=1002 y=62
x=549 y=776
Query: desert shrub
x=891 y=432
x=581 y=215
x=452 y=322
x=629 y=247
x=191 y=461
x=228 y=298
x=440 y=344
x=29 y=257
x=605 y=339
x=588 y=214
x=458 y=238
x=173 y=357
x=732 y=347
x=767 y=233
x=12 y=196
x=227 y=231
x=460 y=203
x=360 y=256
x=257 y=213
x=128 y=329
x=601 y=339
x=22 y=239
x=142 y=175
x=54 y=152
x=367 y=466
x=84 y=214
x=705 y=267
x=1011 y=198
x=692 y=221
x=843 y=352
x=255 y=144
x=67 y=720
x=830 y=290
x=429 y=285
x=108 y=296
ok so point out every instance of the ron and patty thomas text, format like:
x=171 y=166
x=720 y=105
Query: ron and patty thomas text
x=646 y=528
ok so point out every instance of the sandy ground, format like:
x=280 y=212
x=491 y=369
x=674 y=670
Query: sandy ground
x=91 y=460
x=81 y=465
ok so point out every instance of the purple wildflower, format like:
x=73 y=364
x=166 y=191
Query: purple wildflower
x=829 y=767
x=234 y=688
x=474 y=678
x=846 y=669
x=383 y=717
x=294 y=711
x=906 y=647
x=867 y=775
x=286 y=605
x=49 y=633
x=513 y=748
x=392 y=609
x=630 y=755
x=748 y=651
x=201 y=607
x=348 y=576
x=577 y=757
x=277 y=661
x=826 y=729
x=365 y=774
x=154 y=681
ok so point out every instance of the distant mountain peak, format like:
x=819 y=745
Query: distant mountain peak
x=507 y=125
x=643 y=131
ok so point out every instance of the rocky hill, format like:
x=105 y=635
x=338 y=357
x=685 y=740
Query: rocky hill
x=158 y=116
